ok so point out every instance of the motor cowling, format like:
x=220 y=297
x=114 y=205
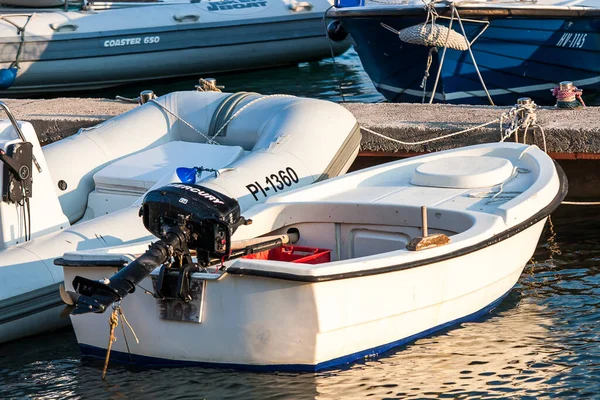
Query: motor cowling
x=210 y=216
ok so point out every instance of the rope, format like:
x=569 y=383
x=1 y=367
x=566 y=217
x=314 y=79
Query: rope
x=21 y=33
x=429 y=140
x=522 y=116
x=581 y=203
x=568 y=98
x=207 y=86
x=123 y=323
x=455 y=11
x=335 y=68
x=426 y=75
x=238 y=112
x=439 y=72
x=210 y=140
x=113 y=321
x=495 y=196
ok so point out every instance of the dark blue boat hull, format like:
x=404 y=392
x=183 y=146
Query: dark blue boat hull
x=517 y=57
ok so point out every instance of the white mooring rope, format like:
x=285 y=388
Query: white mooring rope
x=519 y=117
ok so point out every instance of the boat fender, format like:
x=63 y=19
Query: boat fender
x=336 y=31
x=7 y=77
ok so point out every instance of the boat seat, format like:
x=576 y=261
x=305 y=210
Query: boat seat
x=463 y=172
x=135 y=174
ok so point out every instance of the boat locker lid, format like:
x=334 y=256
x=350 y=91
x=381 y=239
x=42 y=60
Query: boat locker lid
x=135 y=174
x=463 y=172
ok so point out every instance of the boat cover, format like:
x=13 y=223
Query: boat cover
x=138 y=173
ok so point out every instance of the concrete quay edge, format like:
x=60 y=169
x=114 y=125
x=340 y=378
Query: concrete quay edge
x=567 y=132
x=572 y=136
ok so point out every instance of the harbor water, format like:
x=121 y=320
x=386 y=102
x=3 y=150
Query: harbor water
x=541 y=342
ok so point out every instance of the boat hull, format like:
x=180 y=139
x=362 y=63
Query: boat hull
x=112 y=47
x=271 y=136
x=517 y=57
x=276 y=324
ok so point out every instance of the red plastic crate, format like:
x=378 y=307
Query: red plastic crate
x=295 y=254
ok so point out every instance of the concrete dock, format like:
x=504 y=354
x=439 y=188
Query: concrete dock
x=572 y=136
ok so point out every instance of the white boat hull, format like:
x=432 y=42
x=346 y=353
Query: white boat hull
x=78 y=50
x=374 y=294
x=263 y=323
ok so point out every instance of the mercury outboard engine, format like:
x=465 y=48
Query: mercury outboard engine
x=184 y=217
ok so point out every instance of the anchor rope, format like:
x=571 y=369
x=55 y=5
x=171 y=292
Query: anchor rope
x=124 y=322
x=113 y=321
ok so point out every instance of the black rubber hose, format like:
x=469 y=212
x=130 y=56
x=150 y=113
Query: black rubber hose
x=97 y=297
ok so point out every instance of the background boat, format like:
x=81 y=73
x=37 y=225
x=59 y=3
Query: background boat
x=527 y=49
x=105 y=45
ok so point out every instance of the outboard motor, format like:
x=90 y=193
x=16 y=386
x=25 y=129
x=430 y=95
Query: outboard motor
x=184 y=217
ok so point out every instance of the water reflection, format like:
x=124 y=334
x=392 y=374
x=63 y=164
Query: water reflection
x=321 y=79
x=510 y=352
x=542 y=342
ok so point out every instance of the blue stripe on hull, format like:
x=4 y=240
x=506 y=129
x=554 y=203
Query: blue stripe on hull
x=517 y=57
x=121 y=357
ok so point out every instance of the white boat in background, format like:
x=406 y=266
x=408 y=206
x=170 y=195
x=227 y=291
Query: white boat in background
x=363 y=280
x=32 y=3
x=103 y=44
x=245 y=145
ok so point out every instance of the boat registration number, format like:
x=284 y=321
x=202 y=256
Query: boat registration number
x=275 y=182
x=132 y=41
x=572 y=40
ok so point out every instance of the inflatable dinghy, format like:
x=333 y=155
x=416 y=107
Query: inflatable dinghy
x=102 y=44
x=244 y=145
x=327 y=274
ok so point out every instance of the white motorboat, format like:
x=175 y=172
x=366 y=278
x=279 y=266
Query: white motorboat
x=101 y=44
x=245 y=145
x=365 y=274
